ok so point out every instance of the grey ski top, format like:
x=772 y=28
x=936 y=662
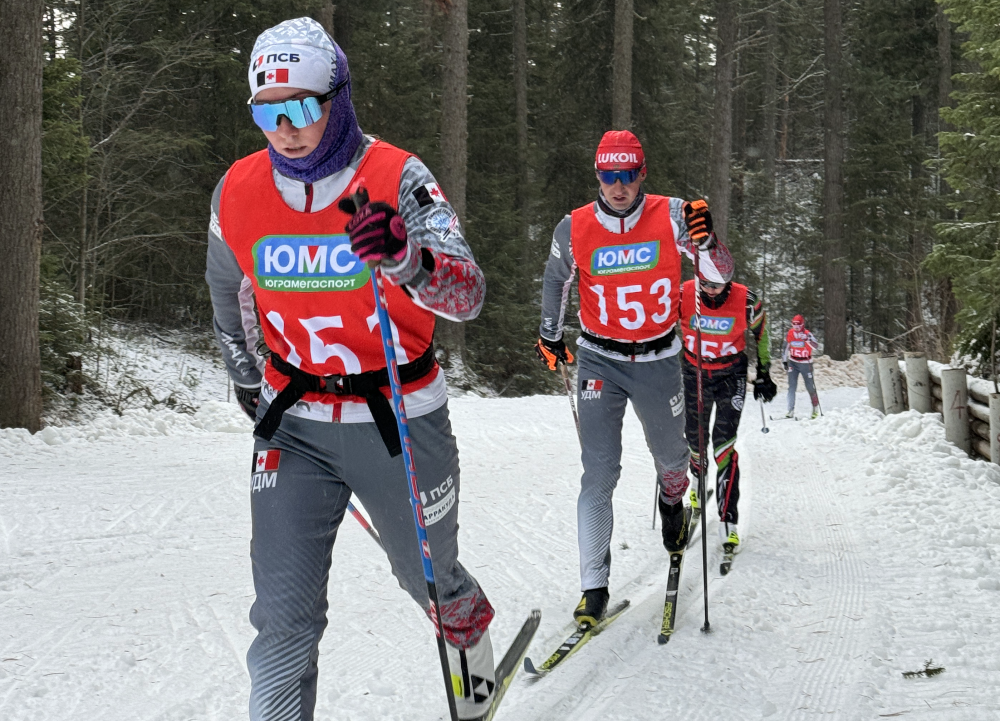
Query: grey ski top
x=560 y=270
x=439 y=273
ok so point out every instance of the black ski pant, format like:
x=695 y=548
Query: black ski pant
x=726 y=390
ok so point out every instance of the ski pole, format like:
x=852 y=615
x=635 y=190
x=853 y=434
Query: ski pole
x=364 y=523
x=411 y=471
x=572 y=401
x=701 y=429
x=763 y=418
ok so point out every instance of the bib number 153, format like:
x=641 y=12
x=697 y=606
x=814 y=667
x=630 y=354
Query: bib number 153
x=630 y=302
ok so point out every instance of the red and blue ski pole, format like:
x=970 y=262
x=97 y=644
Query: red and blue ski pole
x=360 y=198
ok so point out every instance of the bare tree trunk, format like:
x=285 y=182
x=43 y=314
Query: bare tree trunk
x=521 y=120
x=325 y=18
x=944 y=63
x=949 y=304
x=81 y=273
x=454 y=144
x=21 y=212
x=722 y=117
x=621 y=67
x=767 y=147
x=335 y=20
x=834 y=300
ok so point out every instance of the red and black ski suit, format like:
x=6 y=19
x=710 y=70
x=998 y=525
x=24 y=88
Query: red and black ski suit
x=724 y=322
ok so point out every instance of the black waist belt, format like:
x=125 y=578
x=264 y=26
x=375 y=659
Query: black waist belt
x=366 y=385
x=632 y=349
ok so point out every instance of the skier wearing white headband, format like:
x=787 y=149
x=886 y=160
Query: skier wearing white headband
x=289 y=257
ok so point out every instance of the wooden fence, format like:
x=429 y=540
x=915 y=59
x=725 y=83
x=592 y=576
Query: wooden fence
x=969 y=406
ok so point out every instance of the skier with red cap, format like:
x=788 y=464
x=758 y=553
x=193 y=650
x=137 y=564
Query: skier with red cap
x=796 y=355
x=627 y=247
x=292 y=256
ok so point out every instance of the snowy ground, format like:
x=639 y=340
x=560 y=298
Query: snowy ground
x=870 y=548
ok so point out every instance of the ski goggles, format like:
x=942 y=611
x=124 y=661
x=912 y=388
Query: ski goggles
x=709 y=285
x=609 y=177
x=300 y=113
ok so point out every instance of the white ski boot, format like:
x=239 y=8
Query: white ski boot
x=473 y=676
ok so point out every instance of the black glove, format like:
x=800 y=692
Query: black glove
x=764 y=388
x=249 y=399
x=377 y=231
x=784 y=364
x=553 y=352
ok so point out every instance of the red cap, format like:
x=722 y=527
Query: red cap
x=798 y=320
x=619 y=150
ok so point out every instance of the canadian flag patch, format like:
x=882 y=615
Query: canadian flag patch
x=266 y=460
x=429 y=194
x=590 y=390
x=266 y=77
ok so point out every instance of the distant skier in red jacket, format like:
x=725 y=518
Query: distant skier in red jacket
x=796 y=356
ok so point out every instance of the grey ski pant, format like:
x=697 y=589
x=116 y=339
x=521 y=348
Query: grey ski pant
x=657 y=395
x=298 y=500
x=795 y=369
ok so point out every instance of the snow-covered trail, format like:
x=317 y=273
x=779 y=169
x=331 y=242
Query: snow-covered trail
x=870 y=547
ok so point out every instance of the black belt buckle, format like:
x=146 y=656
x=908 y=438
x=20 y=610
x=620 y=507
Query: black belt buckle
x=334 y=385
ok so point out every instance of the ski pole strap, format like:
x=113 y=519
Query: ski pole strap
x=632 y=349
x=366 y=385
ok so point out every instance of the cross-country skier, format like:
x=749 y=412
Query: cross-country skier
x=627 y=246
x=324 y=424
x=728 y=310
x=796 y=356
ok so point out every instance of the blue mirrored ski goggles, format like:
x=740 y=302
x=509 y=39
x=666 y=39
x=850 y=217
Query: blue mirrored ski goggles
x=300 y=113
x=608 y=177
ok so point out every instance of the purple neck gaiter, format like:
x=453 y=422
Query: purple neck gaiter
x=339 y=143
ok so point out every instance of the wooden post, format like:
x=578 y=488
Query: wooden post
x=955 y=407
x=892 y=384
x=995 y=427
x=873 y=382
x=918 y=382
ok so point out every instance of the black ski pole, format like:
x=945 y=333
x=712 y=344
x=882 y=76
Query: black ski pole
x=763 y=418
x=701 y=430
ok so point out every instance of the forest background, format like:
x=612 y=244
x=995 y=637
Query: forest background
x=849 y=150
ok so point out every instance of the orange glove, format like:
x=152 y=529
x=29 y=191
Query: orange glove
x=698 y=220
x=553 y=352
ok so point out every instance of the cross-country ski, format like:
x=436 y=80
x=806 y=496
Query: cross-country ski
x=576 y=640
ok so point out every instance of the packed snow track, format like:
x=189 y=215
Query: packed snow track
x=870 y=548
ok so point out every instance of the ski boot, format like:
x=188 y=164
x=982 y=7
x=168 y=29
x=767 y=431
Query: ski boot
x=790 y=414
x=815 y=413
x=693 y=496
x=730 y=542
x=473 y=677
x=676 y=520
x=592 y=607
x=729 y=535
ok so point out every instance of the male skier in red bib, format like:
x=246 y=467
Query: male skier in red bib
x=728 y=310
x=627 y=247
x=278 y=252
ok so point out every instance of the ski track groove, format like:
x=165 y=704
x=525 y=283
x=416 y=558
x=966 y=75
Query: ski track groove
x=825 y=686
